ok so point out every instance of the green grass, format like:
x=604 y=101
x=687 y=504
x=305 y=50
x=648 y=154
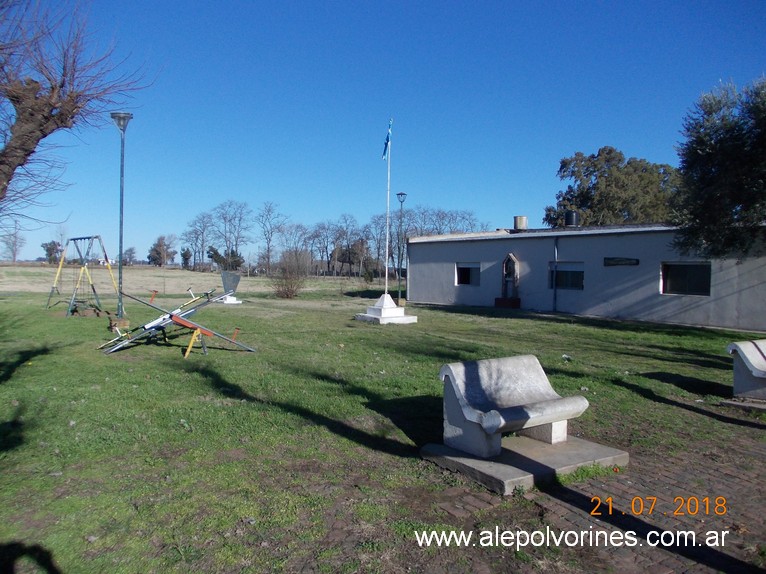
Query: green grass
x=251 y=462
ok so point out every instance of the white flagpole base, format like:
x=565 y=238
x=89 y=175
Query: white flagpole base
x=385 y=311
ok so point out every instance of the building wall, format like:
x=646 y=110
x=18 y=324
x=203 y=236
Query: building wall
x=736 y=297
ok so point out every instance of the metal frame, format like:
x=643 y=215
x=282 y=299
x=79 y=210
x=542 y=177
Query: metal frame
x=84 y=248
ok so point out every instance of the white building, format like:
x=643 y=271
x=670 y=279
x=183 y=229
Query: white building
x=627 y=272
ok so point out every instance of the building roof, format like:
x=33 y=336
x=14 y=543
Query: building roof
x=540 y=233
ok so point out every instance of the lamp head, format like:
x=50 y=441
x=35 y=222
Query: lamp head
x=401 y=196
x=121 y=119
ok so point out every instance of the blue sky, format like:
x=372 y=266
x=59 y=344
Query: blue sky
x=289 y=102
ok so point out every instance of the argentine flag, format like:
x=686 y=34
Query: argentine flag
x=388 y=139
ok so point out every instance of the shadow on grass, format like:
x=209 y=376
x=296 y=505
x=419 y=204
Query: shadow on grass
x=12 y=431
x=652 y=396
x=340 y=428
x=178 y=339
x=692 y=384
x=695 y=357
x=8 y=367
x=12 y=552
x=420 y=418
x=682 y=356
x=565 y=318
x=365 y=293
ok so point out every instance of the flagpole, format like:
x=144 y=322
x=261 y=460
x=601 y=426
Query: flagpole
x=388 y=199
x=388 y=204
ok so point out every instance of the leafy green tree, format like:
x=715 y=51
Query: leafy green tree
x=186 y=255
x=608 y=190
x=162 y=251
x=227 y=261
x=722 y=207
x=52 y=250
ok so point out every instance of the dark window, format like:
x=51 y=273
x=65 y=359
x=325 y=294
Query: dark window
x=686 y=278
x=566 y=275
x=467 y=273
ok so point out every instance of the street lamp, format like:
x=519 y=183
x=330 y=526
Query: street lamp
x=401 y=196
x=121 y=119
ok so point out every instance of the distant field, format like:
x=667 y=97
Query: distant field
x=140 y=280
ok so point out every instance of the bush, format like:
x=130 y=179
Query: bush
x=287 y=284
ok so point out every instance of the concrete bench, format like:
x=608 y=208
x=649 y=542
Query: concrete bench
x=483 y=399
x=749 y=368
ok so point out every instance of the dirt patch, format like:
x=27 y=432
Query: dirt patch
x=232 y=455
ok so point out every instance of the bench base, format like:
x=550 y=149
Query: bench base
x=746 y=384
x=471 y=438
x=552 y=433
x=525 y=462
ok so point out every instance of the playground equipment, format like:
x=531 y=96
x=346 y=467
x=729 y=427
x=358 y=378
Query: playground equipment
x=176 y=318
x=90 y=300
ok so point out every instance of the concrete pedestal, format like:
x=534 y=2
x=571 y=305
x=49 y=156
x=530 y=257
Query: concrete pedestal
x=384 y=312
x=524 y=461
x=231 y=300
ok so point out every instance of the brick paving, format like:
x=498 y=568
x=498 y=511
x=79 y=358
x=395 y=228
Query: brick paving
x=737 y=474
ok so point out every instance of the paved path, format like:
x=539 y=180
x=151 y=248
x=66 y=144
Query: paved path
x=737 y=474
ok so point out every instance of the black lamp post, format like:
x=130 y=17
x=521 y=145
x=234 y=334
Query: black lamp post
x=121 y=119
x=401 y=196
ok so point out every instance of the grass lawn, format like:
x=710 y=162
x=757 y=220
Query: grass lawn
x=303 y=456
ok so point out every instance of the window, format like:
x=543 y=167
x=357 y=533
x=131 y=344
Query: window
x=686 y=278
x=467 y=273
x=566 y=275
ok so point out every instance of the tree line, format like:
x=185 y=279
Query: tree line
x=222 y=236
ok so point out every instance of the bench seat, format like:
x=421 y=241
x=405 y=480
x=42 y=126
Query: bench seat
x=749 y=369
x=483 y=399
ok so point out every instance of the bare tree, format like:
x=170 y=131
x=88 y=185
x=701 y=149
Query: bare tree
x=420 y=221
x=129 y=256
x=232 y=222
x=324 y=236
x=351 y=243
x=13 y=241
x=198 y=236
x=61 y=234
x=270 y=221
x=377 y=239
x=295 y=241
x=49 y=81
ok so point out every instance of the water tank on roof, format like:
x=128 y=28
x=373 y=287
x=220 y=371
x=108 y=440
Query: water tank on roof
x=520 y=222
x=572 y=218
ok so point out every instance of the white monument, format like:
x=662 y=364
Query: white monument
x=386 y=311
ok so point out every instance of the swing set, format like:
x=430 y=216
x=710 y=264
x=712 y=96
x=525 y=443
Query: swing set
x=79 y=301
